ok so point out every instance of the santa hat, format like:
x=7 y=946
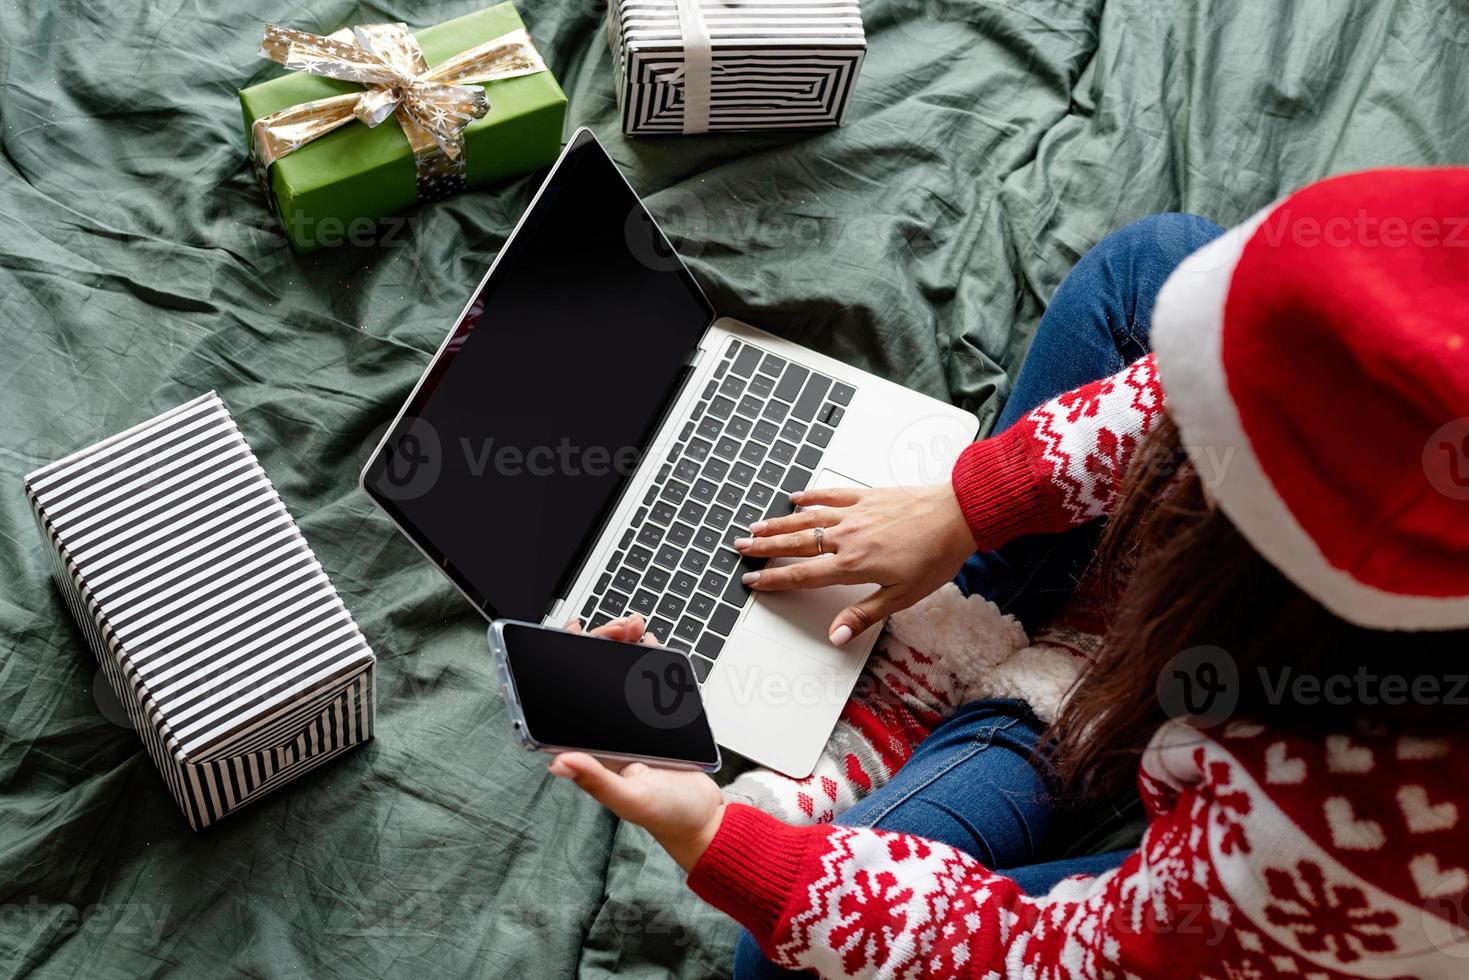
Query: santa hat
x=1316 y=362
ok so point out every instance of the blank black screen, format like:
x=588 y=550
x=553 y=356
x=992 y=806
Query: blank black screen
x=584 y=692
x=530 y=421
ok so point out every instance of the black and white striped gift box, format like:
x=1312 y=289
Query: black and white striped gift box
x=213 y=621
x=740 y=64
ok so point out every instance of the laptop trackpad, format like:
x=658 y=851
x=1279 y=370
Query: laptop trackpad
x=803 y=616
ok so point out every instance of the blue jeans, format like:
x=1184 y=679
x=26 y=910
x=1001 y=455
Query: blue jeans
x=975 y=783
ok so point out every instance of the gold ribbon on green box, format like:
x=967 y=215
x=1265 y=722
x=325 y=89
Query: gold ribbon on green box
x=432 y=105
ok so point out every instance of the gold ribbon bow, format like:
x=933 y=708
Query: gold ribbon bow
x=432 y=105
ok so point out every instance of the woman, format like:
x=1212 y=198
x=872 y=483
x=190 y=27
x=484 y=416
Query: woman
x=1285 y=567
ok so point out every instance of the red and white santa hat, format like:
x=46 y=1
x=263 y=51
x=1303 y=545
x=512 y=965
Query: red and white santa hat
x=1316 y=362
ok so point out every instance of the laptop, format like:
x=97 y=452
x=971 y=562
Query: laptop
x=592 y=436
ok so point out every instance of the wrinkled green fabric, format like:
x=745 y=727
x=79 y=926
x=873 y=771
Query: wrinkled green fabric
x=989 y=145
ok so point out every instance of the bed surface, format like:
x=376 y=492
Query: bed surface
x=988 y=146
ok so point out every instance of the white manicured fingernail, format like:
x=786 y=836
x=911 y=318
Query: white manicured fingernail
x=743 y=543
x=796 y=497
x=840 y=635
x=755 y=528
x=750 y=578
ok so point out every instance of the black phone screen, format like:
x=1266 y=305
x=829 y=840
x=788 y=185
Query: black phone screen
x=585 y=692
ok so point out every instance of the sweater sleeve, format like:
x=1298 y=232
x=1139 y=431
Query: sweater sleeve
x=1061 y=464
x=1236 y=876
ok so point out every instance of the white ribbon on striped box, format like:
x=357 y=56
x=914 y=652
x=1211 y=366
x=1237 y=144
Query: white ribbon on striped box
x=694 y=66
x=214 y=623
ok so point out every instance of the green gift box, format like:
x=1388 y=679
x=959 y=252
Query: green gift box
x=323 y=190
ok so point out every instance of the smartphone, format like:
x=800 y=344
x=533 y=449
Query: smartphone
x=624 y=701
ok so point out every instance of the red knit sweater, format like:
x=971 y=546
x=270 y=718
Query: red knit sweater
x=1268 y=855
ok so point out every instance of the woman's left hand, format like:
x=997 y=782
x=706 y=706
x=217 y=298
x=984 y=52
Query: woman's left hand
x=681 y=809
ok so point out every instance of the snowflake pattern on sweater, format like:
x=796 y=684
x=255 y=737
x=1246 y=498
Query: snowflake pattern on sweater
x=1269 y=855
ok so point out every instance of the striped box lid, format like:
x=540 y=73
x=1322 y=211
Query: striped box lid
x=774 y=64
x=195 y=585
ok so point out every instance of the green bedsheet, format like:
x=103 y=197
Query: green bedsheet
x=989 y=145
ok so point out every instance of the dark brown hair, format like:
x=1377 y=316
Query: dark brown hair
x=1178 y=576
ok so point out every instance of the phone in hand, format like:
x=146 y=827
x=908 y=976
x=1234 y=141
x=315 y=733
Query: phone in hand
x=624 y=701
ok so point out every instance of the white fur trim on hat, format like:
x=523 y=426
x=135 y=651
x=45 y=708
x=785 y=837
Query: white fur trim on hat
x=1187 y=336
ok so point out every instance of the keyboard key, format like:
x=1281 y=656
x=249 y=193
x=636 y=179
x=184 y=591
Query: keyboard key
x=684 y=584
x=737 y=593
x=744 y=364
x=604 y=581
x=694 y=561
x=842 y=394
x=761 y=386
x=598 y=621
x=724 y=618
x=699 y=449
x=709 y=646
x=781 y=452
x=706 y=539
x=675 y=643
x=656 y=579
x=688 y=629
x=702 y=668
x=781 y=506
x=644 y=602
x=626 y=538
x=719 y=517
x=670 y=607
x=808 y=456
x=733 y=534
x=790 y=383
x=648 y=497
x=613 y=603
x=662 y=629
x=795 y=480
x=772 y=365
x=760 y=495
x=616 y=560
x=765 y=432
x=680 y=534
x=702 y=605
x=708 y=391
x=712 y=583
x=746 y=516
x=668 y=557
x=710 y=428
x=716 y=469
x=793 y=431
x=738 y=427
x=811 y=396
x=704 y=491
x=626 y=580
x=729 y=351
x=730 y=495
x=820 y=435
x=662 y=513
x=750 y=405
x=639 y=557
x=776 y=411
x=721 y=407
x=650 y=535
x=674 y=492
x=720 y=368
x=727 y=448
x=638 y=517
x=589 y=608
x=698 y=411
x=733 y=387
x=771 y=473
x=692 y=512
x=835 y=416
x=688 y=430
x=742 y=473
x=724 y=560
x=752 y=452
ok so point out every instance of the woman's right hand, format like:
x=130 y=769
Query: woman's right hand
x=906 y=540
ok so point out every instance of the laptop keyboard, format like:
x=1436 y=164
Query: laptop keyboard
x=756 y=436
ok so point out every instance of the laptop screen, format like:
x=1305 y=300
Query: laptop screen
x=516 y=445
